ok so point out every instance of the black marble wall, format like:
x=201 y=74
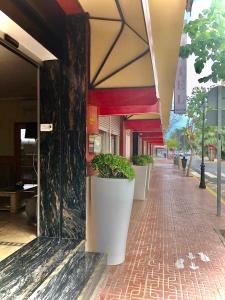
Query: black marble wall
x=50 y=149
x=63 y=103
x=74 y=128
x=135 y=143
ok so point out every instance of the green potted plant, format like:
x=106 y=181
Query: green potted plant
x=112 y=198
x=140 y=163
x=149 y=159
x=150 y=162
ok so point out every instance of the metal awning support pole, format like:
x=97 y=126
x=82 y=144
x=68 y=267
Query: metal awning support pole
x=219 y=125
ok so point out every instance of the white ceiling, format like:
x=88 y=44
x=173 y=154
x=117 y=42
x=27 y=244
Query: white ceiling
x=18 y=78
x=119 y=52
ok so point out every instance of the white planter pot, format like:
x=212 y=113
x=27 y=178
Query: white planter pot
x=140 y=182
x=112 y=201
x=149 y=176
x=90 y=244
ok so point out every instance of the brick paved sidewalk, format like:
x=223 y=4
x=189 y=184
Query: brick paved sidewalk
x=177 y=218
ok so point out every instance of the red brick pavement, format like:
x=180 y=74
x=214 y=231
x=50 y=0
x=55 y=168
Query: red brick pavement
x=177 y=218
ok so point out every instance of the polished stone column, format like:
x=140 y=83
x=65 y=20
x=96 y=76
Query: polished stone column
x=63 y=103
x=50 y=149
x=74 y=128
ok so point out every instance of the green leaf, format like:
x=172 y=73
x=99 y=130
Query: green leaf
x=199 y=65
x=207 y=41
x=205 y=79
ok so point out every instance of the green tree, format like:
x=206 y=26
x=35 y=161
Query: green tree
x=172 y=143
x=189 y=134
x=207 y=41
x=193 y=130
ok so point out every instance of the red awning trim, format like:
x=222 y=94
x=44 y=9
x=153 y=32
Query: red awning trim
x=147 y=135
x=156 y=140
x=144 y=125
x=158 y=130
x=158 y=143
x=122 y=96
x=149 y=130
x=128 y=110
x=153 y=139
x=70 y=7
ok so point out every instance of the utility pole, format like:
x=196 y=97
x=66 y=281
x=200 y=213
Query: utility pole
x=216 y=103
x=202 y=181
x=219 y=125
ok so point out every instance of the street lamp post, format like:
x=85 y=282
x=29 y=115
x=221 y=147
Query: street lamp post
x=202 y=181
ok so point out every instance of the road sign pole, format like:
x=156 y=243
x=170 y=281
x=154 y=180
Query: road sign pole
x=216 y=117
x=202 y=180
x=219 y=99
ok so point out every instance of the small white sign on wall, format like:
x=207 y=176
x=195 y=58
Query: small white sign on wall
x=46 y=127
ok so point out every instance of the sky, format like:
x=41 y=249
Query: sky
x=179 y=121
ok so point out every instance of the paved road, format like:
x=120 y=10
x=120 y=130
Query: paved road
x=210 y=174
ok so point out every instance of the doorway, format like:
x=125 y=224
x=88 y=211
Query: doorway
x=19 y=151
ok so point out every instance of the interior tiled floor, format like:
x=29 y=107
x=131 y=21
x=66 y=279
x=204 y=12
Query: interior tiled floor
x=177 y=218
x=15 y=231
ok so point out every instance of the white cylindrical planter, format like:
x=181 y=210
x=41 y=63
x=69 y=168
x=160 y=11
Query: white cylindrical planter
x=140 y=182
x=112 y=201
x=90 y=244
x=148 y=177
